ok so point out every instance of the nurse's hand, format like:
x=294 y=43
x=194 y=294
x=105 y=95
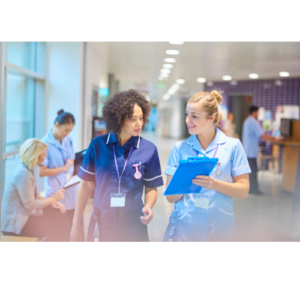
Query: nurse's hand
x=149 y=215
x=59 y=195
x=59 y=206
x=207 y=182
x=69 y=164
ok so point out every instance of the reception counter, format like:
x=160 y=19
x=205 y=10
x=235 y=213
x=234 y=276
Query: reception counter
x=289 y=157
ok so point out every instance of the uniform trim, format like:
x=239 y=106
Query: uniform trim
x=87 y=171
x=240 y=167
x=138 y=142
x=107 y=139
x=152 y=178
x=225 y=212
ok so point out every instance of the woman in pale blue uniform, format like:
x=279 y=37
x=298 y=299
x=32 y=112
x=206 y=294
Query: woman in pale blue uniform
x=209 y=215
x=58 y=166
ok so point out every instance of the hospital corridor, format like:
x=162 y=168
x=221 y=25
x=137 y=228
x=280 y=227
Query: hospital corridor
x=150 y=141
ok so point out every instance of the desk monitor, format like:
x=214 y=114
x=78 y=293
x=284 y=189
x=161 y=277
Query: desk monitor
x=285 y=127
x=79 y=156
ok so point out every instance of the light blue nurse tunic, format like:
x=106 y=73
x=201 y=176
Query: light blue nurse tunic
x=57 y=155
x=190 y=223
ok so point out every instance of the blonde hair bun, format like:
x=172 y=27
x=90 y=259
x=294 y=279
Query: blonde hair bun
x=217 y=95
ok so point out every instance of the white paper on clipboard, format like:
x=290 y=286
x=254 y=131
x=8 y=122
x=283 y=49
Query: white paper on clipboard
x=73 y=180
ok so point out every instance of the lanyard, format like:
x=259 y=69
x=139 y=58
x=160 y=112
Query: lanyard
x=120 y=177
x=214 y=152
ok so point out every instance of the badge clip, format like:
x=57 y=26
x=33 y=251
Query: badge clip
x=137 y=174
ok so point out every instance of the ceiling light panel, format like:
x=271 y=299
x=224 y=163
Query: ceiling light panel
x=201 y=79
x=172 y=52
x=167 y=66
x=284 y=74
x=169 y=60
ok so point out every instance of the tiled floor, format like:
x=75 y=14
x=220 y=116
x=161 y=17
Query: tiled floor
x=258 y=218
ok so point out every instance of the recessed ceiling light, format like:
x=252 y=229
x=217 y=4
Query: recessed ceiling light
x=226 y=77
x=176 y=43
x=201 y=79
x=164 y=75
x=253 y=76
x=233 y=82
x=166 y=96
x=284 y=74
x=165 y=71
x=210 y=83
x=180 y=81
x=172 y=52
x=170 y=60
x=168 y=66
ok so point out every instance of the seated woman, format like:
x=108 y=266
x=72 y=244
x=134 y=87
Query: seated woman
x=24 y=212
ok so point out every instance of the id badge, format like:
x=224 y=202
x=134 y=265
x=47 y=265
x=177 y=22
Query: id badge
x=201 y=202
x=117 y=200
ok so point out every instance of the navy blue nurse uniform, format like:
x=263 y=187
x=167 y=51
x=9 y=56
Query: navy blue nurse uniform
x=120 y=223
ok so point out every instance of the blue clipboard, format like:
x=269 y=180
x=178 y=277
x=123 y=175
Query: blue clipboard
x=181 y=182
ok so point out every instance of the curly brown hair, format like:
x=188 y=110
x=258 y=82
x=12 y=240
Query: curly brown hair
x=120 y=107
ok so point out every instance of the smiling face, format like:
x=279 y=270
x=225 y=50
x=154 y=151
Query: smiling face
x=63 y=130
x=133 y=126
x=196 y=119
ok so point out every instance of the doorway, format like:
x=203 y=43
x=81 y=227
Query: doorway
x=240 y=105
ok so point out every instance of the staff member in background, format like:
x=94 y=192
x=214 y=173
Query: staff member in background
x=209 y=215
x=229 y=127
x=119 y=165
x=252 y=132
x=24 y=212
x=58 y=165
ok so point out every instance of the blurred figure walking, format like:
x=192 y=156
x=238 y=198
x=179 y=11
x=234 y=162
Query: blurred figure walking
x=252 y=132
x=229 y=126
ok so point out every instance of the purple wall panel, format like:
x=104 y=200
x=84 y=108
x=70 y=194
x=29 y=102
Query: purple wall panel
x=265 y=93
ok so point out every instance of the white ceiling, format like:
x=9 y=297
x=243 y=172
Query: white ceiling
x=139 y=63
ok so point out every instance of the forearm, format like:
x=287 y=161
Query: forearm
x=174 y=198
x=150 y=197
x=49 y=201
x=51 y=172
x=84 y=192
x=236 y=190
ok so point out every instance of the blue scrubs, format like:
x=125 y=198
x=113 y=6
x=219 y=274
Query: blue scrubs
x=190 y=223
x=57 y=155
x=120 y=223
x=251 y=135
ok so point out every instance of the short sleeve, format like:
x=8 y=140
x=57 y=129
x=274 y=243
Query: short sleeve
x=87 y=169
x=173 y=161
x=153 y=176
x=239 y=161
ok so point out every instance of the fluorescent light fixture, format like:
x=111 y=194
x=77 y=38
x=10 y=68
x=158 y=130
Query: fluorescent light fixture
x=210 y=83
x=201 y=79
x=284 y=74
x=165 y=71
x=226 y=77
x=164 y=75
x=253 y=76
x=176 y=43
x=167 y=66
x=172 y=52
x=169 y=60
x=180 y=81
x=173 y=89
x=166 y=96
x=233 y=82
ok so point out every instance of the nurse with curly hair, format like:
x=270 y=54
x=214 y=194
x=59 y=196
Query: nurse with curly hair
x=118 y=165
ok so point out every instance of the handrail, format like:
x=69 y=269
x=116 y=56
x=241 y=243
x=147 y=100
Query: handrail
x=6 y=155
